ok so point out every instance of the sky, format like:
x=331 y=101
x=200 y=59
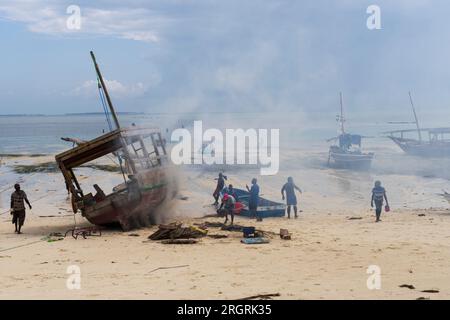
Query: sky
x=219 y=56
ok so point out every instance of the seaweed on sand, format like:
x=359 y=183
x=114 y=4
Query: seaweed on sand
x=50 y=167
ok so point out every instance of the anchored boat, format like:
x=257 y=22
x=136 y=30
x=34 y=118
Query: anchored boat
x=429 y=142
x=346 y=153
x=142 y=157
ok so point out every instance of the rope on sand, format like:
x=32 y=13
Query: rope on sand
x=22 y=245
x=174 y=267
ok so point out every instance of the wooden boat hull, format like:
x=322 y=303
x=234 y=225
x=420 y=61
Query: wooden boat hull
x=343 y=160
x=428 y=149
x=135 y=206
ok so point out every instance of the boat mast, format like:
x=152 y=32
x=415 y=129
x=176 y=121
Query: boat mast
x=108 y=99
x=341 y=118
x=415 y=117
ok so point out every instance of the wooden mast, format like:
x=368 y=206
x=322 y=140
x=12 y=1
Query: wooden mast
x=108 y=99
x=341 y=119
x=415 y=117
x=129 y=161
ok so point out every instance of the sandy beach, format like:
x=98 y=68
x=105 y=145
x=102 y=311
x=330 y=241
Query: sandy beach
x=334 y=241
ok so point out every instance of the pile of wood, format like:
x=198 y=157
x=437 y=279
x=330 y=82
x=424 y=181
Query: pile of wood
x=177 y=231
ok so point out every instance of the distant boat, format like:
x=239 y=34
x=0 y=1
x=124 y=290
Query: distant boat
x=346 y=153
x=436 y=142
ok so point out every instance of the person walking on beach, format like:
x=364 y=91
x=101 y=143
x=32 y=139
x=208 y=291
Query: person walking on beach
x=254 y=199
x=378 y=196
x=291 y=200
x=219 y=187
x=18 y=198
x=229 y=202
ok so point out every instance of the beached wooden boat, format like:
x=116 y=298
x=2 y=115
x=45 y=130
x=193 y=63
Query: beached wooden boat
x=347 y=154
x=437 y=143
x=143 y=162
x=266 y=208
x=429 y=142
x=446 y=196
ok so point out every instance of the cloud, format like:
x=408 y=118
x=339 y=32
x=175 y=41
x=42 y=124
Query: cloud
x=49 y=17
x=115 y=88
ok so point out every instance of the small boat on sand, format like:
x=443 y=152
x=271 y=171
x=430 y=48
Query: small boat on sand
x=266 y=208
x=347 y=154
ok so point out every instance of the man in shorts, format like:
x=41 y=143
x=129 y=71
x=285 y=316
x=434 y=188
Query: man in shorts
x=18 y=199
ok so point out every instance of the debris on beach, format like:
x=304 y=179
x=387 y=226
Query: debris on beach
x=217 y=236
x=261 y=296
x=54 y=236
x=285 y=234
x=409 y=286
x=258 y=240
x=355 y=218
x=179 y=241
x=430 y=291
x=236 y=228
x=84 y=232
x=177 y=231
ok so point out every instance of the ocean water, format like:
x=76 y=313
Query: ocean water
x=42 y=134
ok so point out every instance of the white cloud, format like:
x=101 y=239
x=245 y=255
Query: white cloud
x=115 y=88
x=137 y=24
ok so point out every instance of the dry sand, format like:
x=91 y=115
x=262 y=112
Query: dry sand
x=326 y=259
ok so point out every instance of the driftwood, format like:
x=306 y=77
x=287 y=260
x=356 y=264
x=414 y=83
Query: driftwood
x=177 y=231
x=261 y=296
x=179 y=241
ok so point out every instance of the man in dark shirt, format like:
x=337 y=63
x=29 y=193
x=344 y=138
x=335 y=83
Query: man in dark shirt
x=219 y=187
x=378 y=196
x=254 y=199
x=291 y=200
x=18 y=198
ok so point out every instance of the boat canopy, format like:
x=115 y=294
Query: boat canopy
x=103 y=145
x=347 y=140
x=128 y=144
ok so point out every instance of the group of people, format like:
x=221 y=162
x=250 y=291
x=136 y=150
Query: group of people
x=229 y=198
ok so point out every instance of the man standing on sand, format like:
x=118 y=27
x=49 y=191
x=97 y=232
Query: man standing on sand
x=219 y=187
x=291 y=200
x=254 y=199
x=378 y=196
x=18 y=198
